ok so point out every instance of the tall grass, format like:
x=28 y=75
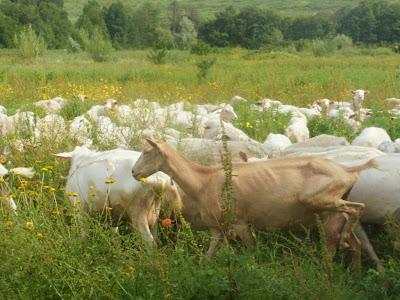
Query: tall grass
x=41 y=251
x=298 y=79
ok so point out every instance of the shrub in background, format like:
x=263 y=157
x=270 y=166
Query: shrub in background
x=158 y=56
x=29 y=44
x=203 y=67
x=98 y=46
x=201 y=48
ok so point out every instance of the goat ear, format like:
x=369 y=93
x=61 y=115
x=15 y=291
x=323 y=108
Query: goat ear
x=152 y=143
x=63 y=155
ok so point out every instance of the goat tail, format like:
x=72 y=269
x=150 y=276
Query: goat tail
x=24 y=172
x=368 y=165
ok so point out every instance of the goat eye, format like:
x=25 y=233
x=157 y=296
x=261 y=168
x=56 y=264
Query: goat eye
x=207 y=127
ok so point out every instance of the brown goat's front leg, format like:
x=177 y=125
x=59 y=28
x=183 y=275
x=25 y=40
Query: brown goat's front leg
x=216 y=237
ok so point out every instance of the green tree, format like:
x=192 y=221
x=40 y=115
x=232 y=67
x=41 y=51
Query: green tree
x=143 y=26
x=311 y=27
x=187 y=36
x=92 y=19
x=359 y=23
x=116 y=21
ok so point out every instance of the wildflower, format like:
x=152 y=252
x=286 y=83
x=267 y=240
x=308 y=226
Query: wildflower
x=167 y=223
x=129 y=271
x=39 y=161
x=77 y=202
x=44 y=169
x=23 y=183
x=33 y=193
x=29 y=225
x=72 y=194
x=3 y=160
x=56 y=212
x=52 y=190
x=248 y=125
x=109 y=209
x=40 y=235
x=9 y=223
x=109 y=181
x=143 y=180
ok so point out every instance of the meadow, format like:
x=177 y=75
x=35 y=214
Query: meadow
x=206 y=8
x=42 y=255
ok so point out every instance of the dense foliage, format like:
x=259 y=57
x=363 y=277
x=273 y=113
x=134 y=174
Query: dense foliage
x=370 y=22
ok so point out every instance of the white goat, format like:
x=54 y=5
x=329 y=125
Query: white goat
x=102 y=182
x=371 y=137
x=275 y=144
x=52 y=106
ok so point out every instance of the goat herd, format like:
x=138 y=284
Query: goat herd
x=276 y=184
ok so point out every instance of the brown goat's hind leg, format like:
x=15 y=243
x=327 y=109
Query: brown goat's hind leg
x=355 y=248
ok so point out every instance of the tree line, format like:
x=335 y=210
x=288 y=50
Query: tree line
x=370 y=22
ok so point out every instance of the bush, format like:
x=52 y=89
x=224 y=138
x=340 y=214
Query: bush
x=342 y=41
x=99 y=47
x=29 y=44
x=204 y=67
x=322 y=47
x=158 y=57
x=73 y=46
x=201 y=48
x=396 y=49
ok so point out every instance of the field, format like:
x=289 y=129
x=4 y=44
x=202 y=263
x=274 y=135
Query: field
x=42 y=255
x=207 y=8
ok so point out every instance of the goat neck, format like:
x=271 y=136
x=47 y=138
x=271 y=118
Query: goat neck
x=190 y=176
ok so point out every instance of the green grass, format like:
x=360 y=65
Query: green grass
x=297 y=78
x=207 y=8
x=41 y=252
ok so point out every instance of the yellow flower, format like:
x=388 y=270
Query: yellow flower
x=23 y=183
x=77 y=202
x=143 y=180
x=72 y=194
x=129 y=271
x=44 y=169
x=29 y=225
x=52 y=190
x=56 y=212
x=39 y=161
x=3 y=160
x=40 y=235
x=9 y=223
x=248 y=125
x=33 y=193
x=109 y=181
x=109 y=209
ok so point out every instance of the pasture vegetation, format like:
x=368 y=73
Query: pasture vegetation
x=41 y=249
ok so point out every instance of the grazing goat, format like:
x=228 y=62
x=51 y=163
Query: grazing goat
x=4 y=173
x=270 y=194
x=102 y=182
x=371 y=137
